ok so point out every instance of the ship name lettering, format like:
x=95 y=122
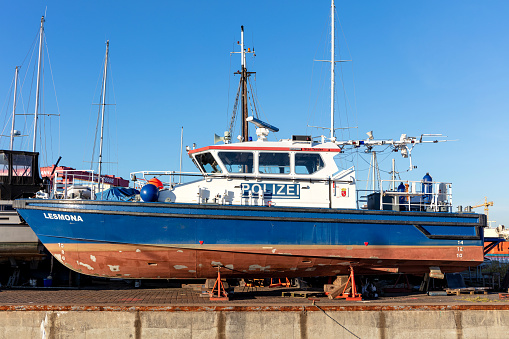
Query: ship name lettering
x=67 y=217
x=271 y=191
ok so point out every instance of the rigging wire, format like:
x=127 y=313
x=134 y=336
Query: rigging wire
x=321 y=76
x=229 y=88
x=256 y=102
x=253 y=105
x=26 y=143
x=345 y=94
x=353 y=76
x=95 y=136
x=354 y=109
x=56 y=101
x=253 y=102
x=342 y=117
x=7 y=116
x=97 y=122
x=115 y=118
x=43 y=126
x=32 y=48
x=90 y=118
x=234 y=113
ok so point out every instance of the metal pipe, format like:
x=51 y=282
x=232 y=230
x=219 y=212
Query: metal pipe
x=14 y=106
x=181 y=145
x=36 y=114
x=332 y=64
x=103 y=104
x=245 y=127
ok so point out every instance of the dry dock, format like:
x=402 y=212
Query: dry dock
x=182 y=313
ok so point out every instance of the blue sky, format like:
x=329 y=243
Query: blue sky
x=418 y=67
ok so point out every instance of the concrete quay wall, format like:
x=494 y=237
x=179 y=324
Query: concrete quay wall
x=254 y=322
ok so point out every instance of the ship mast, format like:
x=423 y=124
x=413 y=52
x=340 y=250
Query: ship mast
x=243 y=79
x=244 y=74
x=36 y=114
x=332 y=64
x=103 y=105
x=332 y=71
x=14 y=106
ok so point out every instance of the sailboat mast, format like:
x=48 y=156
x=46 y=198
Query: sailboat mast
x=14 y=106
x=103 y=104
x=332 y=64
x=36 y=114
x=245 y=128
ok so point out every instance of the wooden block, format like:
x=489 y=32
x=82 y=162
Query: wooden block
x=338 y=290
x=328 y=287
x=469 y=290
x=341 y=280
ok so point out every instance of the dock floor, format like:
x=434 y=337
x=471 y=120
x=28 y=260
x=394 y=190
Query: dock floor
x=114 y=312
x=122 y=297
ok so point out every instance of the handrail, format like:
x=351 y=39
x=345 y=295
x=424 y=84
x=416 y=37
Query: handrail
x=75 y=184
x=135 y=177
x=419 y=195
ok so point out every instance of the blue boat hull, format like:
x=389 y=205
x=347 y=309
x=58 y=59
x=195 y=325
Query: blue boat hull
x=161 y=240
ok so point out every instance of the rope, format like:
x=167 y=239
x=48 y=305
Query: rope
x=234 y=113
x=346 y=329
x=312 y=110
x=116 y=115
x=56 y=99
x=229 y=86
x=88 y=142
x=97 y=123
x=7 y=116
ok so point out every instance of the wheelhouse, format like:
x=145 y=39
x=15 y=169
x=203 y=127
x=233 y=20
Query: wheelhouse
x=19 y=174
x=259 y=162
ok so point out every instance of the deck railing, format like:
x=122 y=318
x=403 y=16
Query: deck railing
x=75 y=184
x=429 y=196
x=169 y=179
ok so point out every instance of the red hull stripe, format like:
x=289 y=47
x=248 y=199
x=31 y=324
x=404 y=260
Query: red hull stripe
x=281 y=149
x=145 y=261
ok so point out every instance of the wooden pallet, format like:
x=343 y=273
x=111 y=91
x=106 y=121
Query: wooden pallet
x=469 y=290
x=301 y=294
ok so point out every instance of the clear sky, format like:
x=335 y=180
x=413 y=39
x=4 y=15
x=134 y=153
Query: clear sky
x=417 y=67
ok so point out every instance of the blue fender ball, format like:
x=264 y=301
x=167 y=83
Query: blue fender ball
x=149 y=193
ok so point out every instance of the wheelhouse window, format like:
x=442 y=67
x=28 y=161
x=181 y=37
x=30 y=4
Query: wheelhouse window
x=308 y=163
x=4 y=165
x=208 y=163
x=21 y=165
x=274 y=163
x=237 y=162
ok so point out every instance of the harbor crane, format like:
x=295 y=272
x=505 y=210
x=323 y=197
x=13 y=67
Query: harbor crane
x=486 y=205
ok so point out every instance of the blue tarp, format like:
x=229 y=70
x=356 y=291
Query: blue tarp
x=117 y=194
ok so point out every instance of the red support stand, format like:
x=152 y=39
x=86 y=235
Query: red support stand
x=279 y=283
x=221 y=293
x=353 y=295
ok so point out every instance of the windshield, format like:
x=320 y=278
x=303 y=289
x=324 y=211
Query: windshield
x=274 y=163
x=237 y=162
x=21 y=165
x=208 y=163
x=307 y=163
